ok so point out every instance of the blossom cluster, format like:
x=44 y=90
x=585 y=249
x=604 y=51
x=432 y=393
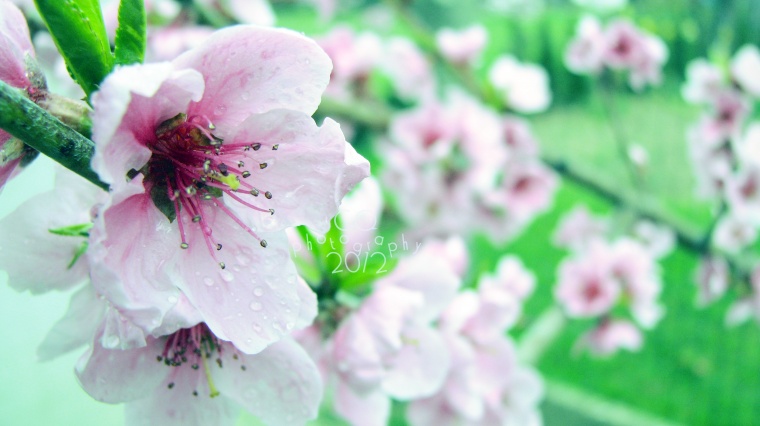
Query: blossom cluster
x=619 y=46
x=453 y=164
x=458 y=167
x=607 y=272
x=523 y=87
x=419 y=338
x=185 y=286
x=187 y=294
x=723 y=147
x=188 y=291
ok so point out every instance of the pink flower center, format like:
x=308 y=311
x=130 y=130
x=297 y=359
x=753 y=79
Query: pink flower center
x=191 y=169
x=196 y=345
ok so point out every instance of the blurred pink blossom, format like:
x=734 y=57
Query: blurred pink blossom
x=610 y=336
x=748 y=306
x=463 y=46
x=579 y=228
x=585 y=52
x=733 y=234
x=524 y=87
x=712 y=279
x=353 y=55
x=408 y=68
x=619 y=46
x=745 y=69
x=587 y=286
x=703 y=82
x=165 y=44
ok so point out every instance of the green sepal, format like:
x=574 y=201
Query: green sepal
x=79 y=33
x=162 y=202
x=80 y=230
x=131 y=34
x=80 y=251
x=214 y=191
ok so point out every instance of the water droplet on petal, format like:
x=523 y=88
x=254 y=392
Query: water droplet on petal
x=227 y=275
x=255 y=306
x=171 y=299
x=208 y=281
x=258 y=291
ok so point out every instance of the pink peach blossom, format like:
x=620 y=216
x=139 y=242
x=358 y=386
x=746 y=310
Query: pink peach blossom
x=353 y=55
x=15 y=49
x=201 y=379
x=485 y=384
x=712 y=279
x=409 y=70
x=463 y=46
x=748 y=306
x=658 y=240
x=587 y=286
x=703 y=82
x=524 y=87
x=733 y=234
x=585 y=52
x=610 y=336
x=165 y=44
x=209 y=158
x=579 y=228
x=745 y=67
x=387 y=347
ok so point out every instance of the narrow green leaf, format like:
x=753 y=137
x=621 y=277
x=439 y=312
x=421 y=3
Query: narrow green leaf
x=79 y=32
x=81 y=250
x=131 y=33
x=79 y=230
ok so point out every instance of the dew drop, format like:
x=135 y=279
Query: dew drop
x=255 y=306
x=208 y=281
x=220 y=109
x=258 y=291
x=227 y=275
x=171 y=299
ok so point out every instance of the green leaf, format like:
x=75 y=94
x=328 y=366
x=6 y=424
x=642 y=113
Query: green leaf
x=372 y=267
x=79 y=32
x=333 y=244
x=131 y=33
